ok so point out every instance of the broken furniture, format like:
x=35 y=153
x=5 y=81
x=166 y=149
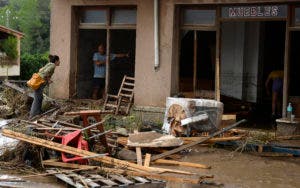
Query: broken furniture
x=75 y=139
x=121 y=102
x=85 y=114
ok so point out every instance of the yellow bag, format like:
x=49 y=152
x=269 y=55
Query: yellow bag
x=35 y=81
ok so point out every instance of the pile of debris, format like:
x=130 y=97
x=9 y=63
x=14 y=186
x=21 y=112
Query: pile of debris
x=94 y=148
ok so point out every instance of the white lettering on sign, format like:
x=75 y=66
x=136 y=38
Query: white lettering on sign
x=255 y=11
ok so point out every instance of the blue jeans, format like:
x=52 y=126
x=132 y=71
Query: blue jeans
x=36 y=107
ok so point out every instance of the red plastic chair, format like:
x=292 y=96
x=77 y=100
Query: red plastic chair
x=74 y=139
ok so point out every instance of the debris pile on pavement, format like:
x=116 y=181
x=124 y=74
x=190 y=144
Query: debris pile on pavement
x=87 y=147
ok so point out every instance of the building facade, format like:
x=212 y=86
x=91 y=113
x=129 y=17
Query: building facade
x=199 y=48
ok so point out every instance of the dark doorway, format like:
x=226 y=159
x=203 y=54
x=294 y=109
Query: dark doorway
x=121 y=41
x=250 y=52
x=88 y=42
x=197 y=63
x=294 y=77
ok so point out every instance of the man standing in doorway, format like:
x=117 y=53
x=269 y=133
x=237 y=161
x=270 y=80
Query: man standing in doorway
x=99 y=59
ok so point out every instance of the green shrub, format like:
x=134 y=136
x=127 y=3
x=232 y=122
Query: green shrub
x=10 y=47
x=31 y=64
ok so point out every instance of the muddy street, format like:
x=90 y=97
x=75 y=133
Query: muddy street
x=235 y=169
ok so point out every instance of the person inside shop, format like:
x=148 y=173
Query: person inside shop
x=276 y=79
x=99 y=59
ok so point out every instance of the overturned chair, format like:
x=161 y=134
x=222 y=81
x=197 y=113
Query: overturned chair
x=121 y=103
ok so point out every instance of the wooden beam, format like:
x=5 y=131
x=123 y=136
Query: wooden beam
x=84 y=153
x=186 y=164
x=201 y=140
x=187 y=140
x=218 y=56
x=286 y=65
x=147 y=160
x=138 y=151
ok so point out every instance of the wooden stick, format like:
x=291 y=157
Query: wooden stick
x=187 y=164
x=65 y=123
x=147 y=160
x=196 y=142
x=36 y=124
x=84 y=153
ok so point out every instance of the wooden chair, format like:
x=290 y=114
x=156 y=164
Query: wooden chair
x=122 y=102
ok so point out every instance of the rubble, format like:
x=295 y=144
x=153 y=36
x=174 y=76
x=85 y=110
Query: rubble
x=106 y=149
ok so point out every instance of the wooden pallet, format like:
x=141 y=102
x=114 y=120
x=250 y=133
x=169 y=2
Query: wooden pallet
x=88 y=180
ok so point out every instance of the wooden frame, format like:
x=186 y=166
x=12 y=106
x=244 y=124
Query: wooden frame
x=195 y=28
x=108 y=26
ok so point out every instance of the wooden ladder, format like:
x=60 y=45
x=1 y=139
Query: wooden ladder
x=122 y=102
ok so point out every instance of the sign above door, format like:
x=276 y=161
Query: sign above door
x=255 y=11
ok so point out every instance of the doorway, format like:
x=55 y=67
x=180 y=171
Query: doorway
x=88 y=41
x=197 y=63
x=249 y=52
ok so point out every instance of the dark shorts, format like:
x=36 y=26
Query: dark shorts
x=98 y=83
x=277 y=85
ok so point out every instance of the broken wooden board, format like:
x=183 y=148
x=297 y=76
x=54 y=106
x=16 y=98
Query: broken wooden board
x=84 y=153
x=153 y=139
x=186 y=140
x=93 y=180
x=165 y=177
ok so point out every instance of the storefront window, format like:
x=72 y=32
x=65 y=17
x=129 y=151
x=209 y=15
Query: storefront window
x=94 y=16
x=124 y=16
x=198 y=17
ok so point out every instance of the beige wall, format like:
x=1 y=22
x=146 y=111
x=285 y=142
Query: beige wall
x=152 y=87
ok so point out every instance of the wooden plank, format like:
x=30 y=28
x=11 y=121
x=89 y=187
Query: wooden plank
x=218 y=56
x=91 y=183
x=140 y=179
x=187 y=164
x=147 y=160
x=186 y=140
x=121 y=179
x=139 y=155
x=88 y=112
x=103 y=180
x=196 y=142
x=226 y=117
x=84 y=153
x=65 y=179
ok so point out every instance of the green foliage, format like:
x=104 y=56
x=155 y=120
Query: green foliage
x=10 y=47
x=31 y=64
x=31 y=17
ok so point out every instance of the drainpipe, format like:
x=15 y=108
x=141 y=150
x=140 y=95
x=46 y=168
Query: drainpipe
x=156 y=36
